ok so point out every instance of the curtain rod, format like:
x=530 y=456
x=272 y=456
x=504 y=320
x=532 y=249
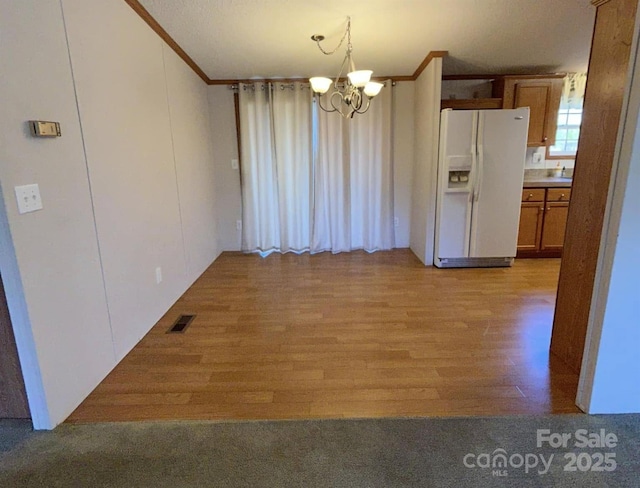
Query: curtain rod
x=283 y=84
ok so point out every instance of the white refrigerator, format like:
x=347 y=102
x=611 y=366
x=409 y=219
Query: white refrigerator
x=480 y=176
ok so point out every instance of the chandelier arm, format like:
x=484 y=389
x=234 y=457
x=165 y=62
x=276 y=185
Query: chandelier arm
x=366 y=108
x=342 y=102
x=319 y=98
x=356 y=99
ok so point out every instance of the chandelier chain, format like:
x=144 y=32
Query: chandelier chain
x=346 y=35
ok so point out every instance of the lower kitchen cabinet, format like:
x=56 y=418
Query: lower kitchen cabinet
x=555 y=222
x=543 y=218
x=530 y=230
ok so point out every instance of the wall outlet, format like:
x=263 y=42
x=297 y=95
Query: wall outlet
x=234 y=164
x=396 y=222
x=158 y=275
x=238 y=224
x=28 y=198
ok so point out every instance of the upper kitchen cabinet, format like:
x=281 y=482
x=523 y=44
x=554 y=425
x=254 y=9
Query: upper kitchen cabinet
x=542 y=95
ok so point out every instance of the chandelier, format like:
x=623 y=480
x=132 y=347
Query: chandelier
x=351 y=96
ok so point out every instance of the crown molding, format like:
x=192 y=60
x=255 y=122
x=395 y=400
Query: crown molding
x=157 y=28
x=430 y=57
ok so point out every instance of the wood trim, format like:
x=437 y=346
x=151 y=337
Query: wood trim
x=534 y=254
x=553 y=157
x=157 y=28
x=222 y=82
x=495 y=76
x=258 y=80
x=427 y=60
x=299 y=80
x=402 y=78
x=236 y=107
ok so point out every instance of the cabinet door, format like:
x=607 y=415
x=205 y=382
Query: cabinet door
x=530 y=229
x=555 y=222
x=542 y=96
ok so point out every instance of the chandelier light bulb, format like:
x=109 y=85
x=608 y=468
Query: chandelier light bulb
x=360 y=78
x=372 y=88
x=320 y=84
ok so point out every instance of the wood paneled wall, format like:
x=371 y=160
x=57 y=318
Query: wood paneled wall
x=607 y=79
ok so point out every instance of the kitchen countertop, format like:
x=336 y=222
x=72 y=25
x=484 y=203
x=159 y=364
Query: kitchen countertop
x=546 y=182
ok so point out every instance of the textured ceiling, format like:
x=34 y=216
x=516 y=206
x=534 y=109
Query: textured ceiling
x=238 y=39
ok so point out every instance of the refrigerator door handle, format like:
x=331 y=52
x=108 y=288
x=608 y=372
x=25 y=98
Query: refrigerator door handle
x=480 y=156
x=474 y=156
x=480 y=169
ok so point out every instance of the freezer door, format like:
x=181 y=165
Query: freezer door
x=453 y=207
x=502 y=146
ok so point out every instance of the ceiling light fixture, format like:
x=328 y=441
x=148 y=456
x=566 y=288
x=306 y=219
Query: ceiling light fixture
x=351 y=96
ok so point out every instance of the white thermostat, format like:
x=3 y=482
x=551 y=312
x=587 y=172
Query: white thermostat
x=41 y=128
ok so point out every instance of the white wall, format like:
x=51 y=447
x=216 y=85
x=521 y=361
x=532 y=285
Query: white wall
x=128 y=187
x=225 y=143
x=403 y=156
x=61 y=321
x=615 y=383
x=127 y=135
x=466 y=89
x=427 y=130
x=193 y=146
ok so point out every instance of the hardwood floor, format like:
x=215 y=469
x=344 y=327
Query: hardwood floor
x=348 y=335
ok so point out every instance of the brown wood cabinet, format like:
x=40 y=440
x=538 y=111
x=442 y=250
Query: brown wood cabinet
x=543 y=218
x=542 y=96
x=531 y=214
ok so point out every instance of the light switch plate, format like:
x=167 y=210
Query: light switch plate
x=28 y=197
x=234 y=164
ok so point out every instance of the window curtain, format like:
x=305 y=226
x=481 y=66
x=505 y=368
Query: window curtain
x=573 y=90
x=311 y=180
x=353 y=199
x=275 y=121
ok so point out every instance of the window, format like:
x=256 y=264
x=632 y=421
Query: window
x=567 y=134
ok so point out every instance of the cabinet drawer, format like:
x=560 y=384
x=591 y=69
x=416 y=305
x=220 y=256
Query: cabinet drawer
x=533 y=195
x=558 y=194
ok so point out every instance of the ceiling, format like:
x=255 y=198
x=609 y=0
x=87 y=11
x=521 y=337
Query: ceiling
x=242 y=39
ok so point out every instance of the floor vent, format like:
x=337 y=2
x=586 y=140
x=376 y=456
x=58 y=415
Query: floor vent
x=181 y=324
